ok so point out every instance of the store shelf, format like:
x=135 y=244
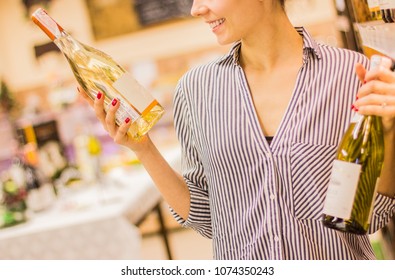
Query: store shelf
x=378 y=36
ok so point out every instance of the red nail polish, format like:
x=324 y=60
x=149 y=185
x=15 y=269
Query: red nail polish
x=114 y=102
x=364 y=82
x=127 y=120
x=99 y=95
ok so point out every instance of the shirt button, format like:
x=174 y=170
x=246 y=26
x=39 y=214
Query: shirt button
x=276 y=239
x=272 y=196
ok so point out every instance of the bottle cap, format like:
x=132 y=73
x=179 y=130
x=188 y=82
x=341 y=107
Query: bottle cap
x=47 y=24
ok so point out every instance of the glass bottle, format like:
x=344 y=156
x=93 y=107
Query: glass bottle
x=385 y=11
x=355 y=174
x=374 y=8
x=391 y=8
x=97 y=72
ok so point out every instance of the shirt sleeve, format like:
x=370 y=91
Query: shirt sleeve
x=383 y=210
x=192 y=169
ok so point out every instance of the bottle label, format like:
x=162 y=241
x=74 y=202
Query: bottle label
x=134 y=93
x=342 y=188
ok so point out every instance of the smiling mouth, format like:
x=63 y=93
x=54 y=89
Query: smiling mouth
x=216 y=23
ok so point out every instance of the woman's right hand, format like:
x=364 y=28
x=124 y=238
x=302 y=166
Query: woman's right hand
x=169 y=182
x=117 y=133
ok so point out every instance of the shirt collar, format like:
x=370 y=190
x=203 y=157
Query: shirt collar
x=310 y=47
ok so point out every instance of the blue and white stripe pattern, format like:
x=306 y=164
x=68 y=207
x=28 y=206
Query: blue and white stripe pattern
x=261 y=201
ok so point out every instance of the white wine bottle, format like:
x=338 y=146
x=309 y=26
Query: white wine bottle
x=355 y=175
x=97 y=72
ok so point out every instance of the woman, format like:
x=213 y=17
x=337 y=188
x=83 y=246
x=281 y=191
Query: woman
x=259 y=129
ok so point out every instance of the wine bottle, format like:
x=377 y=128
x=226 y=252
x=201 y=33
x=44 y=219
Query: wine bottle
x=385 y=10
x=374 y=8
x=97 y=72
x=391 y=8
x=355 y=174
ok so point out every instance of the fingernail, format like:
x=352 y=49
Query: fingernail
x=78 y=89
x=114 y=102
x=127 y=120
x=99 y=95
x=364 y=82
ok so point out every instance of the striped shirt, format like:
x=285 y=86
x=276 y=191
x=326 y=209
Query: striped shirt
x=261 y=201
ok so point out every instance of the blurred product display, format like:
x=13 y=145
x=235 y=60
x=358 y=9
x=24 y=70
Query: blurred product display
x=374 y=8
x=83 y=217
x=387 y=9
x=87 y=152
x=13 y=199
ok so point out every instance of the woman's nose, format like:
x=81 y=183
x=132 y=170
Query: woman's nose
x=198 y=8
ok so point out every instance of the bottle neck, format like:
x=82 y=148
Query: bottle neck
x=47 y=24
x=375 y=61
x=65 y=42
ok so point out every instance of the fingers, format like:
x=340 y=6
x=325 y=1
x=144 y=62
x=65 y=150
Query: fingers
x=107 y=116
x=385 y=111
x=383 y=72
x=122 y=136
x=84 y=95
x=377 y=87
x=376 y=98
x=377 y=94
x=376 y=104
x=98 y=106
x=360 y=71
x=111 y=117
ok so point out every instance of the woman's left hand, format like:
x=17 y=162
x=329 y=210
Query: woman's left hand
x=377 y=94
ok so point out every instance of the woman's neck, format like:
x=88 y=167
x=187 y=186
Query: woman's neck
x=273 y=45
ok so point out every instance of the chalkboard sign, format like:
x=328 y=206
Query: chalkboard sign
x=112 y=18
x=156 y=11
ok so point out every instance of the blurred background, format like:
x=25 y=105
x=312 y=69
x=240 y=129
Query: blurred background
x=67 y=191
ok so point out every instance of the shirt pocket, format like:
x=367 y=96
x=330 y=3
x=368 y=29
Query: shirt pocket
x=311 y=166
